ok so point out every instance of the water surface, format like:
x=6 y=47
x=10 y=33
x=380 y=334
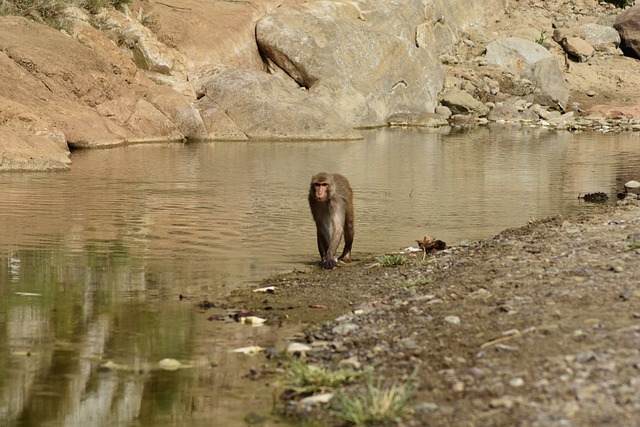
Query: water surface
x=92 y=261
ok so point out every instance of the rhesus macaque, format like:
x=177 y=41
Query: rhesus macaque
x=331 y=202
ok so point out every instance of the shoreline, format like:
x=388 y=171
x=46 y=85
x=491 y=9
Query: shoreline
x=489 y=325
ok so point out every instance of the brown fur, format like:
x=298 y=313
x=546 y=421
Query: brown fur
x=331 y=203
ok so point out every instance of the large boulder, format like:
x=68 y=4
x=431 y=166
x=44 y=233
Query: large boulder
x=444 y=21
x=208 y=32
x=264 y=108
x=85 y=90
x=366 y=75
x=628 y=25
x=21 y=150
x=531 y=61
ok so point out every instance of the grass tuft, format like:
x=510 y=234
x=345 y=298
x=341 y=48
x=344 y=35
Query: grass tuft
x=395 y=260
x=633 y=246
x=52 y=12
x=376 y=404
x=305 y=378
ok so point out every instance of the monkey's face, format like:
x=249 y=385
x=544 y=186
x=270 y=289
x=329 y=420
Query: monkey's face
x=322 y=191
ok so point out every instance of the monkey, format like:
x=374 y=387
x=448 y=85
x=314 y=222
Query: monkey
x=331 y=203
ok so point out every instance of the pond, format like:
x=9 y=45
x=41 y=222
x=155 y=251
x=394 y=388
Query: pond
x=93 y=261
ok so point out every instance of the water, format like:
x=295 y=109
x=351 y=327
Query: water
x=93 y=261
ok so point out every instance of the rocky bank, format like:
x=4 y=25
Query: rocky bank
x=295 y=70
x=538 y=326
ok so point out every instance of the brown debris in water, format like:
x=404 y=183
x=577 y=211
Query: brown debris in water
x=429 y=244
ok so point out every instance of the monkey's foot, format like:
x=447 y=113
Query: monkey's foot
x=329 y=263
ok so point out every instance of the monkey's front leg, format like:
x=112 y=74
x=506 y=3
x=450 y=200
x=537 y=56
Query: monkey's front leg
x=330 y=259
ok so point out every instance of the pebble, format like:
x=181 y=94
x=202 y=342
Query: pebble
x=516 y=382
x=426 y=407
x=454 y=320
x=169 y=364
x=502 y=402
x=345 y=328
x=298 y=348
x=548 y=329
x=351 y=362
x=585 y=357
x=316 y=399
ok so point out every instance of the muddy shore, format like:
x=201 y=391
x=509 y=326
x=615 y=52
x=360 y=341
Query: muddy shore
x=538 y=326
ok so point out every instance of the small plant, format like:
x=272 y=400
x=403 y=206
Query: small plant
x=394 y=260
x=94 y=6
x=149 y=20
x=542 y=39
x=633 y=246
x=305 y=378
x=375 y=405
x=50 y=12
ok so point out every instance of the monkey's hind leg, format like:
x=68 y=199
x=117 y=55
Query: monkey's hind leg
x=348 y=243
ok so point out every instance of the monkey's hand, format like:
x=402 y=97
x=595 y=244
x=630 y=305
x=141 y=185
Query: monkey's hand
x=329 y=262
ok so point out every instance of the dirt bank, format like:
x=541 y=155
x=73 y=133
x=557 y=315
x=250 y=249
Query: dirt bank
x=538 y=326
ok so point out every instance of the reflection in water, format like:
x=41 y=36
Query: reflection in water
x=92 y=261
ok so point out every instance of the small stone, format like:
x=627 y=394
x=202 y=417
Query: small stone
x=454 y=320
x=345 y=328
x=316 y=399
x=426 y=407
x=579 y=335
x=298 y=348
x=458 y=387
x=169 y=364
x=516 y=382
x=585 y=357
x=506 y=347
x=351 y=362
x=617 y=266
x=548 y=329
x=571 y=409
x=502 y=402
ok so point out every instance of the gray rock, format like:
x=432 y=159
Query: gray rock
x=179 y=111
x=553 y=87
x=265 y=108
x=361 y=72
x=454 y=320
x=461 y=102
x=411 y=119
x=534 y=62
x=443 y=22
x=515 y=52
x=564 y=121
x=504 y=112
x=443 y=111
x=578 y=48
x=628 y=25
x=345 y=328
x=632 y=186
x=146 y=50
x=600 y=37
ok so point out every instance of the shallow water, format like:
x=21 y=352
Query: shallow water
x=92 y=261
